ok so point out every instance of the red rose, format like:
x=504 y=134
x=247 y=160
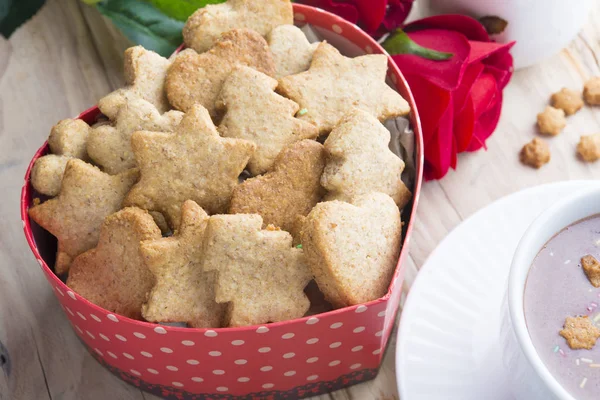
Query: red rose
x=376 y=17
x=459 y=99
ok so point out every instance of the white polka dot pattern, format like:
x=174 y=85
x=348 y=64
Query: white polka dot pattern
x=319 y=348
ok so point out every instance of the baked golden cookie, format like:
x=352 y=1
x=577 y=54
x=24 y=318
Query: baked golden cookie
x=291 y=189
x=113 y=275
x=67 y=140
x=145 y=73
x=588 y=147
x=567 y=100
x=292 y=53
x=86 y=197
x=205 y=26
x=535 y=153
x=334 y=84
x=591 y=267
x=591 y=91
x=353 y=249
x=359 y=160
x=192 y=163
x=552 y=121
x=183 y=292
x=580 y=333
x=253 y=111
x=260 y=275
x=110 y=146
x=197 y=78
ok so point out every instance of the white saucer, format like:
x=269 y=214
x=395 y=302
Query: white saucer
x=448 y=341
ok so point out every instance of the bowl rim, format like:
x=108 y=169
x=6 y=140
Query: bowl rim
x=542 y=229
x=93 y=112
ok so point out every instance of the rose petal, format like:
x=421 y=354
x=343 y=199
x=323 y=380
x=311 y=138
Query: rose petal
x=486 y=122
x=464 y=126
x=446 y=74
x=468 y=26
x=480 y=50
x=347 y=11
x=439 y=152
x=461 y=93
x=371 y=13
x=396 y=14
x=432 y=101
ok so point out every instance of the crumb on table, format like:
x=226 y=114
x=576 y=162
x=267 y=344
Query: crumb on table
x=589 y=147
x=567 y=100
x=535 y=153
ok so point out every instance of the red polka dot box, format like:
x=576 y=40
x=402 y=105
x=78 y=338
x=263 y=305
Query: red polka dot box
x=285 y=360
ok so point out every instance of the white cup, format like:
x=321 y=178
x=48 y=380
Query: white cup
x=541 y=28
x=528 y=376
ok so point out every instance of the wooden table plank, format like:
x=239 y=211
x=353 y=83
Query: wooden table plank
x=68 y=56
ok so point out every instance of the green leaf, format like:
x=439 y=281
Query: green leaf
x=13 y=13
x=143 y=24
x=181 y=9
x=400 y=43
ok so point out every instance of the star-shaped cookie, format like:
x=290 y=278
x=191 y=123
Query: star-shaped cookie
x=359 y=160
x=352 y=249
x=334 y=83
x=580 y=333
x=259 y=274
x=292 y=53
x=86 y=197
x=291 y=189
x=113 y=275
x=183 y=291
x=145 y=73
x=255 y=112
x=204 y=27
x=192 y=163
x=110 y=146
x=197 y=78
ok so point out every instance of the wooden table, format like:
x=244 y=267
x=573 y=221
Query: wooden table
x=67 y=57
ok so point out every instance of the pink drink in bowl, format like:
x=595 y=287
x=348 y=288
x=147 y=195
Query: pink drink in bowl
x=547 y=285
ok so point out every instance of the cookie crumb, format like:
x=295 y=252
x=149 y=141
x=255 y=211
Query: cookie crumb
x=591 y=267
x=588 y=147
x=535 y=153
x=567 y=100
x=591 y=91
x=580 y=333
x=551 y=121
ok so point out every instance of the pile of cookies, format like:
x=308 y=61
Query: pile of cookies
x=228 y=177
x=553 y=120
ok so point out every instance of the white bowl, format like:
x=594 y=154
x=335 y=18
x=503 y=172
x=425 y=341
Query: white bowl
x=529 y=377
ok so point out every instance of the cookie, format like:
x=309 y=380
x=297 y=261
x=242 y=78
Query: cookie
x=580 y=333
x=588 y=147
x=535 y=153
x=333 y=84
x=292 y=52
x=86 y=197
x=197 y=78
x=552 y=121
x=291 y=189
x=591 y=91
x=353 y=249
x=47 y=173
x=183 y=292
x=145 y=73
x=192 y=163
x=359 y=160
x=253 y=111
x=591 y=267
x=113 y=274
x=205 y=26
x=567 y=100
x=260 y=275
x=67 y=139
x=110 y=146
